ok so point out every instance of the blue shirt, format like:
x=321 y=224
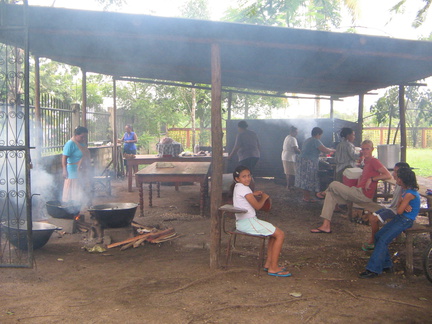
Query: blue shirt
x=414 y=203
x=129 y=137
x=310 y=149
x=73 y=154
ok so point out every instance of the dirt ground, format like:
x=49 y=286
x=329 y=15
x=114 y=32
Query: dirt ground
x=172 y=283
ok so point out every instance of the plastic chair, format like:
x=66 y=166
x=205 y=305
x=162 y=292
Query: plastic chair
x=230 y=209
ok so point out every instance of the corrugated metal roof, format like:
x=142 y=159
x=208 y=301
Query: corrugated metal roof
x=253 y=57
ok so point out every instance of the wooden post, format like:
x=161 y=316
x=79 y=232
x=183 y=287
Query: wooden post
x=359 y=136
x=75 y=115
x=114 y=126
x=402 y=120
x=217 y=157
x=38 y=119
x=84 y=98
x=331 y=108
x=229 y=104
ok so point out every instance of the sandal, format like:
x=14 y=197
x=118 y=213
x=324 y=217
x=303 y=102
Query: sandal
x=320 y=195
x=309 y=200
x=368 y=247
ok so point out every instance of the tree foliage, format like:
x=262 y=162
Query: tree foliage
x=421 y=15
x=318 y=14
x=196 y=9
x=418 y=102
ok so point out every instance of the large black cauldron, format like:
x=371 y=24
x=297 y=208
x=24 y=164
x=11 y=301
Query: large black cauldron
x=114 y=214
x=17 y=235
x=58 y=209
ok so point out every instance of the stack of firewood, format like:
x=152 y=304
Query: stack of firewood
x=151 y=235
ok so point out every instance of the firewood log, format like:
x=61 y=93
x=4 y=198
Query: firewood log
x=127 y=246
x=138 y=243
x=143 y=236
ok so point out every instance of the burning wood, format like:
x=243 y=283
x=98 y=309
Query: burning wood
x=144 y=237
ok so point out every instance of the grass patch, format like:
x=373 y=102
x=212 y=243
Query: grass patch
x=421 y=160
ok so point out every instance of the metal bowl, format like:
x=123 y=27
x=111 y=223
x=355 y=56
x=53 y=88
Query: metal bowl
x=17 y=235
x=58 y=209
x=114 y=214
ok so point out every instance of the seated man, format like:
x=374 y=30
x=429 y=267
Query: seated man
x=363 y=193
x=380 y=216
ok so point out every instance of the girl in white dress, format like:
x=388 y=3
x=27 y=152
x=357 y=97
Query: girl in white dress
x=244 y=198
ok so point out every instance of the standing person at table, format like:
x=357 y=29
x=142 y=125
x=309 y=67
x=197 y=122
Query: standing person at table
x=290 y=150
x=345 y=156
x=247 y=147
x=306 y=176
x=407 y=211
x=129 y=139
x=363 y=193
x=76 y=168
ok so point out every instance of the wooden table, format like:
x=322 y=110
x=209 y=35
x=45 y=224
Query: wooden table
x=149 y=159
x=179 y=172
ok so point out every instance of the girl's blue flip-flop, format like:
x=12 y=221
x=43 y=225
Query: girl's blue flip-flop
x=279 y=274
x=283 y=269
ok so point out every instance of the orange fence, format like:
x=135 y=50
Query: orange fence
x=416 y=137
x=184 y=136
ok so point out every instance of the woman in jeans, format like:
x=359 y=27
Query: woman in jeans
x=407 y=211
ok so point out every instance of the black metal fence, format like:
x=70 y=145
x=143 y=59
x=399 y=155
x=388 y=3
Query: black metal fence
x=55 y=129
x=56 y=125
x=98 y=124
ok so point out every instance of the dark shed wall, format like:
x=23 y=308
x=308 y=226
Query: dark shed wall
x=272 y=132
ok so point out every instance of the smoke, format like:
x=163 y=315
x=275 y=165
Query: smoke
x=43 y=189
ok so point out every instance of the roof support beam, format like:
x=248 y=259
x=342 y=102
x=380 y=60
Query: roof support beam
x=38 y=117
x=402 y=122
x=359 y=137
x=254 y=93
x=84 y=98
x=217 y=156
x=114 y=126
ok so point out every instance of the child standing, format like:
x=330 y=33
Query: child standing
x=407 y=211
x=243 y=197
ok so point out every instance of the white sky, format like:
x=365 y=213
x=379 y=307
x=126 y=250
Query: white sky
x=374 y=17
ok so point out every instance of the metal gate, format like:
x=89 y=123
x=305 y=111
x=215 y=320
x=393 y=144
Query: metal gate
x=16 y=244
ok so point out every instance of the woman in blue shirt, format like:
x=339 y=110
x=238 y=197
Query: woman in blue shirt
x=76 y=164
x=129 y=139
x=307 y=164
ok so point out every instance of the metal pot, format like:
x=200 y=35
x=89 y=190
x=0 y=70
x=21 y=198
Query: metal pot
x=114 y=214
x=17 y=235
x=58 y=209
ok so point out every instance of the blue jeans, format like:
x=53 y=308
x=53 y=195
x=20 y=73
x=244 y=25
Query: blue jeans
x=380 y=258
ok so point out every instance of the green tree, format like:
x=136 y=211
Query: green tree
x=318 y=14
x=197 y=9
x=418 y=102
x=422 y=13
